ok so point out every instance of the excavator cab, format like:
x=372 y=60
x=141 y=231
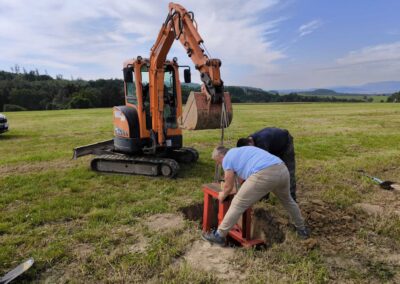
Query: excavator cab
x=135 y=130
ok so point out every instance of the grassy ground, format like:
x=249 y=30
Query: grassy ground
x=82 y=226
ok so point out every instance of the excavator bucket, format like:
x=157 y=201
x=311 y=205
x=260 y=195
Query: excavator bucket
x=200 y=113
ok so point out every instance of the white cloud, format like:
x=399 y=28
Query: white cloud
x=368 y=64
x=91 y=38
x=309 y=28
x=371 y=54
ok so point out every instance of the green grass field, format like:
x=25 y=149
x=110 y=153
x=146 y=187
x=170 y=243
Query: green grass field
x=85 y=227
x=376 y=98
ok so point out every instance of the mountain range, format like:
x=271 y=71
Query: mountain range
x=382 y=87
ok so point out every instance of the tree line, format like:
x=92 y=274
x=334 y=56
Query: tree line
x=34 y=91
x=394 y=98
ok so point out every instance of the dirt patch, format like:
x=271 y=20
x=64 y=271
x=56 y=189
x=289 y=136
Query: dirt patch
x=131 y=240
x=370 y=209
x=324 y=219
x=139 y=246
x=267 y=227
x=340 y=264
x=214 y=259
x=82 y=252
x=165 y=222
x=393 y=259
x=64 y=272
x=334 y=228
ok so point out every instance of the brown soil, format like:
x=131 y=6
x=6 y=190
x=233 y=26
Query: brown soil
x=267 y=227
x=334 y=228
x=164 y=222
x=193 y=212
x=214 y=259
x=370 y=209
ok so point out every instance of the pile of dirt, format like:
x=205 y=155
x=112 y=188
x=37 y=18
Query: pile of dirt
x=326 y=220
x=267 y=227
x=370 y=209
x=333 y=227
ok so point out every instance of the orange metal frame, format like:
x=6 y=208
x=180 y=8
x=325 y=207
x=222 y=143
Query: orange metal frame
x=137 y=65
x=241 y=235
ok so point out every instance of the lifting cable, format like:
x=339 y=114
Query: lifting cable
x=223 y=124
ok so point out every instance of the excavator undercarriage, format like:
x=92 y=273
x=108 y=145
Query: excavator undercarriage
x=164 y=163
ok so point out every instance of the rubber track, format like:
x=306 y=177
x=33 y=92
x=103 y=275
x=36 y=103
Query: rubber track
x=193 y=151
x=138 y=160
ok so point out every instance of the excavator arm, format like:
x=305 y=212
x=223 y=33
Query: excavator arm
x=180 y=25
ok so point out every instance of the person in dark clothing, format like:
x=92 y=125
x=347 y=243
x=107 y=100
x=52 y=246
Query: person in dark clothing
x=278 y=142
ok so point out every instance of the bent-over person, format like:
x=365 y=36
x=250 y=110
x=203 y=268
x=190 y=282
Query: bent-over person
x=278 y=142
x=262 y=173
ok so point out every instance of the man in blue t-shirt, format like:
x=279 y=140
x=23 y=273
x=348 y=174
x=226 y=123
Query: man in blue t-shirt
x=262 y=173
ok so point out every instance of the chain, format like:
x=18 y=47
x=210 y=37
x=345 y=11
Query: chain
x=223 y=125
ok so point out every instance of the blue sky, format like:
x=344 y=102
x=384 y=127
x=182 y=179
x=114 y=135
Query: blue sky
x=272 y=44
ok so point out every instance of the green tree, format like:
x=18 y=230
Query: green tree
x=394 y=98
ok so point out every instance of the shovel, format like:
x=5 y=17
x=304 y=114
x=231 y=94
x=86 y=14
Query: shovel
x=387 y=184
x=17 y=271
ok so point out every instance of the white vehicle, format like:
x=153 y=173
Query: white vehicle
x=3 y=123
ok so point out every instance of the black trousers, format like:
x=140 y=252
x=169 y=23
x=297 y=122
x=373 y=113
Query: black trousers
x=288 y=157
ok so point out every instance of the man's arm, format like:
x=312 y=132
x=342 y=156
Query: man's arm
x=228 y=185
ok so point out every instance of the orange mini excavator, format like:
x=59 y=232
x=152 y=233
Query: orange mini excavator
x=148 y=128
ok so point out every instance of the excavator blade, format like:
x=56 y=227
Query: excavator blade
x=200 y=113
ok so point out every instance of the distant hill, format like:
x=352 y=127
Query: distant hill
x=321 y=92
x=383 y=87
x=373 y=88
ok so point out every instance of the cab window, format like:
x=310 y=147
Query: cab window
x=170 y=99
x=130 y=87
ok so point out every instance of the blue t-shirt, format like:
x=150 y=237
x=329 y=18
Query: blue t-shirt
x=248 y=160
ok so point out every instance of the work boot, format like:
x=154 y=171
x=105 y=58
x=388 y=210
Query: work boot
x=303 y=233
x=214 y=238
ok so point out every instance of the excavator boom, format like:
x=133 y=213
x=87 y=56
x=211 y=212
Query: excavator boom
x=204 y=109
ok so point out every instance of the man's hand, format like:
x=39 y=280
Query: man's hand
x=229 y=178
x=222 y=196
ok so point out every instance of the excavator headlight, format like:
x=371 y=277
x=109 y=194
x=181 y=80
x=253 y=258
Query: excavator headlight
x=139 y=58
x=175 y=59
